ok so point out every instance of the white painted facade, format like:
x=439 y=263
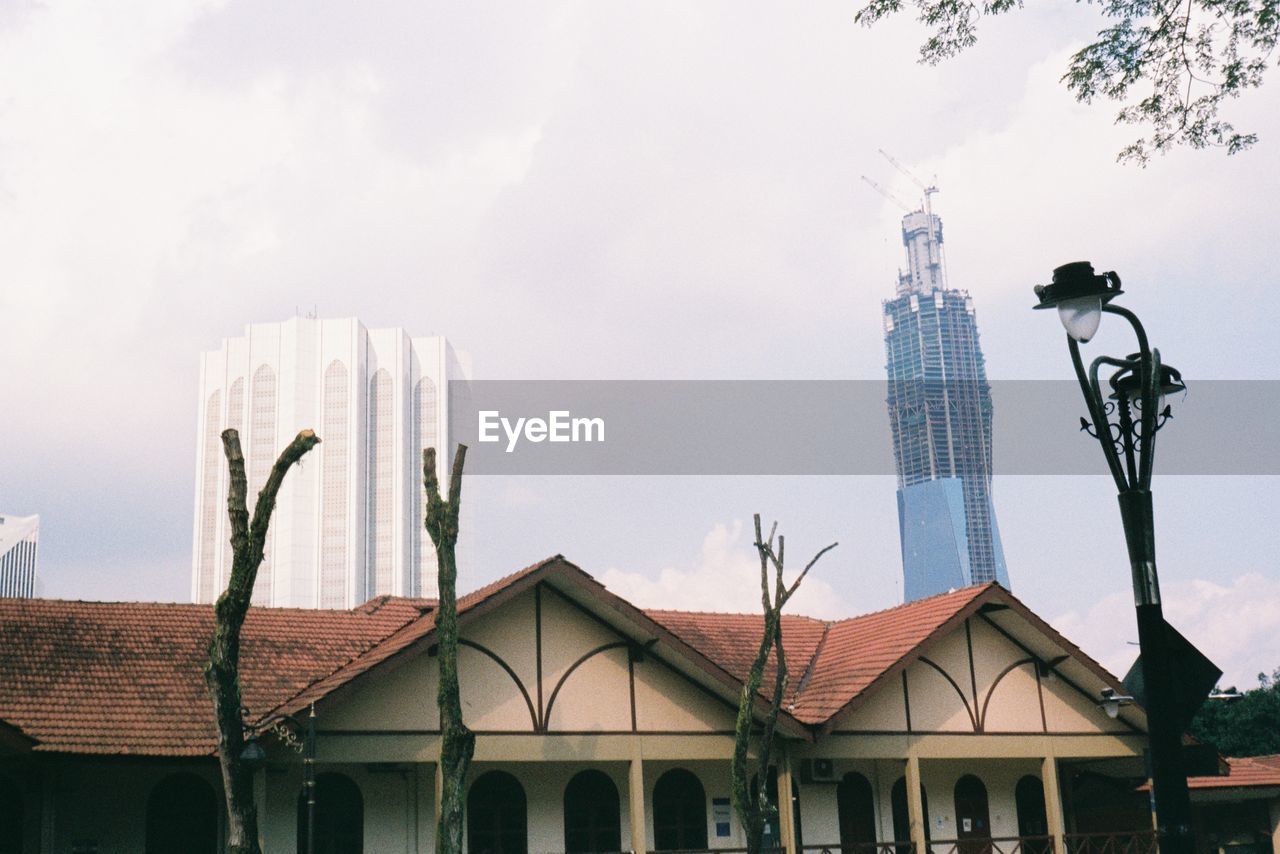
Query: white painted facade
x=19 y=541
x=348 y=521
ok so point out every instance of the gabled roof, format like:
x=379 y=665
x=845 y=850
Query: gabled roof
x=120 y=678
x=1245 y=772
x=127 y=677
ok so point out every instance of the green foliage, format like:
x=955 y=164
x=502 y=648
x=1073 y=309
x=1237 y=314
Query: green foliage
x=1248 y=726
x=1193 y=54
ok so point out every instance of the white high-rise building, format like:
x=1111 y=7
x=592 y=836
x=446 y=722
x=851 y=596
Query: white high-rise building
x=348 y=520
x=19 y=537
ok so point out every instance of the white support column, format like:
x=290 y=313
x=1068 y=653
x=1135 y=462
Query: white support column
x=786 y=808
x=439 y=793
x=915 y=807
x=635 y=801
x=1053 y=803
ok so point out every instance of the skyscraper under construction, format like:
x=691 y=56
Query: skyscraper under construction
x=940 y=413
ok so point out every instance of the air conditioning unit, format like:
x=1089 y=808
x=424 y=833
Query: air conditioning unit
x=817 y=771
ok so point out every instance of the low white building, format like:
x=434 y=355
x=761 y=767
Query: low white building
x=960 y=722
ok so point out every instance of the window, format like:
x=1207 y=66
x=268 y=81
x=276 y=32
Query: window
x=497 y=815
x=856 y=807
x=339 y=816
x=679 y=812
x=1032 y=820
x=182 y=816
x=592 y=818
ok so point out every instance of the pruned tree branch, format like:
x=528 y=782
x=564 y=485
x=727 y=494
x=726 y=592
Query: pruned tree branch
x=754 y=808
x=222 y=672
x=457 y=742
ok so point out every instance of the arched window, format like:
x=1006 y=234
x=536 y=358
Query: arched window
x=679 y=812
x=11 y=814
x=1032 y=819
x=182 y=816
x=855 y=804
x=902 y=814
x=497 y=815
x=592 y=818
x=973 y=821
x=339 y=816
x=773 y=827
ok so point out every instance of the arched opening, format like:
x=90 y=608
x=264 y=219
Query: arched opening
x=772 y=837
x=11 y=817
x=679 y=812
x=497 y=815
x=1033 y=821
x=973 y=821
x=592 y=816
x=182 y=817
x=902 y=813
x=855 y=804
x=339 y=816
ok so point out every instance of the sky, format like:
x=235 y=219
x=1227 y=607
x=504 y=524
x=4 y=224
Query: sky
x=596 y=190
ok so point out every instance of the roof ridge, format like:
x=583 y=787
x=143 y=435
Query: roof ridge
x=813 y=661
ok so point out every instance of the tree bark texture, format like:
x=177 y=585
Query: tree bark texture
x=457 y=743
x=753 y=808
x=222 y=673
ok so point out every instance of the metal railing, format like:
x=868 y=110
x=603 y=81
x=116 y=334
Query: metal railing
x=1131 y=842
x=862 y=848
x=993 y=845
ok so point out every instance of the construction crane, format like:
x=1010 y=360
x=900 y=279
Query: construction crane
x=890 y=196
x=935 y=254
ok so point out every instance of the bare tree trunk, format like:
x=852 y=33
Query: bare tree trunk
x=222 y=673
x=457 y=743
x=754 y=809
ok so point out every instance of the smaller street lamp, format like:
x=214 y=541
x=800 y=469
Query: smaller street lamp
x=1111 y=702
x=253 y=756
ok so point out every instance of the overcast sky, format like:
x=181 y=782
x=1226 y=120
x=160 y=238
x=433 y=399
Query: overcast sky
x=604 y=191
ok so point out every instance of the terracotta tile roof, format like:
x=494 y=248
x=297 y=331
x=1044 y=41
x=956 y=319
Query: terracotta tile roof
x=1244 y=772
x=732 y=641
x=93 y=677
x=842 y=658
x=127 y=677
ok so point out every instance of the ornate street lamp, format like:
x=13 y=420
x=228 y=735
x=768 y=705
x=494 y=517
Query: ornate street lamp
x=1125 y=418
x=255 y=757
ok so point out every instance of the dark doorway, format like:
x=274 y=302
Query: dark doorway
x=592 y=817
x=1032 y=818
x=11 y=817
x=902 y=814
x=973 y=821
x=679 y=812
x=856 y=806
x=497 y=815
x=182 y=817
x=772 y=836
x=339 y=816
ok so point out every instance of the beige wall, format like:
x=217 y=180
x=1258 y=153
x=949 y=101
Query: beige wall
x=979 y=681
x=591 y=695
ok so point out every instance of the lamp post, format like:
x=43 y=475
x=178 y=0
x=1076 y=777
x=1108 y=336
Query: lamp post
x=255 y=757
x=1125 y=422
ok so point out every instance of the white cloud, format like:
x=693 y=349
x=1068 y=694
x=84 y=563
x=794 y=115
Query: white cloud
x=726 y=578
x=1235 y=624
